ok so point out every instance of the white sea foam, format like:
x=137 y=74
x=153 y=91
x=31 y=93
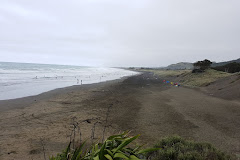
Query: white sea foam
x=21 y=80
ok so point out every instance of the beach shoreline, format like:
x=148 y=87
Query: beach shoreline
x=20 y=80
x=141 y=103
x=19 y=103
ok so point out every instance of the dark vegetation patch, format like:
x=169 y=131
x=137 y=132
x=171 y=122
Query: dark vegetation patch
x=35 y=151
x=230 y=68
x=177 y=148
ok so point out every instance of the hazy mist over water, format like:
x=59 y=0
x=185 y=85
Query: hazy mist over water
x=21 y=79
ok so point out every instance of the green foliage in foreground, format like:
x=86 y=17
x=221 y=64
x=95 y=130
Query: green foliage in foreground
x=114 y=148
x=176 y=148
x=170 y=148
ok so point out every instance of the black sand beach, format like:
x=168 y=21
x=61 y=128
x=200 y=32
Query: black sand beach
x=142 y=104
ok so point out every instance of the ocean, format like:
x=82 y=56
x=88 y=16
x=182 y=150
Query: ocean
x=19 y=80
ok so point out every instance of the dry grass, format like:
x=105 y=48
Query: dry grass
x=202 y=79
x=187 y=78
x=164 y=73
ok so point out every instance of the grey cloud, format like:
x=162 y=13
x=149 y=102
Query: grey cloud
x=119 y=33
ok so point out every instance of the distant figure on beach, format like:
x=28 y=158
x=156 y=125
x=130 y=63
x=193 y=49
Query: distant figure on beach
x=81 y=82
x=36 y=77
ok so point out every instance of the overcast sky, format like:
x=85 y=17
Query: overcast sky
x=119 y=32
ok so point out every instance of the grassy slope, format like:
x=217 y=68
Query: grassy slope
x=202 y=79
x=167 y=73
x=187 y=78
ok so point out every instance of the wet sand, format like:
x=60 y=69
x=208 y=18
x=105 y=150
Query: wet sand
x=142 y=104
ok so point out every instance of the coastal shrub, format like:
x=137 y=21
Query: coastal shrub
x=230 y=67
x=177 y=148
x=114 y=148
x=202 y=65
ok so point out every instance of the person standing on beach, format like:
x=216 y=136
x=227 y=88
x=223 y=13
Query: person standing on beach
x=81 y=82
